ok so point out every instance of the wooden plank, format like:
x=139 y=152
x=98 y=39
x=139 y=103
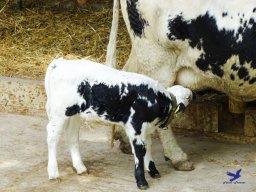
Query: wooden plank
x=250 y=122
x=199 y=116
x=185 y=120
x=208 y=116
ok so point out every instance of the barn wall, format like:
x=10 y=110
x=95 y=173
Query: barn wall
x=22 y=96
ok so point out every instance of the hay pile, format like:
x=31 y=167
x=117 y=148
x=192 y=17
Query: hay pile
x=31 y=38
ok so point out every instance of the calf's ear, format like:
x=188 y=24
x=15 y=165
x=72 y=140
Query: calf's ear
x=180 y=108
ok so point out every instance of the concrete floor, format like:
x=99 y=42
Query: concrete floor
x=23 y=160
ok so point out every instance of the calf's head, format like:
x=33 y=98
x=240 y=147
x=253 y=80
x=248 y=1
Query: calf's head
x=182 y=95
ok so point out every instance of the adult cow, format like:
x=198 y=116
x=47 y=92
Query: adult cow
x=195 y=43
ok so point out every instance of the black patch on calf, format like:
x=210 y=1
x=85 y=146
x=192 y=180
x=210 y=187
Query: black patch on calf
x=144 y=113
x=137 y=23
x=241 y=20
x=107 y=100
x=73 y=110
x=218 y=45
x=251 y=21
x=83 y=107
x=224 y=14
x=84 y=90
x=115 y=103
x=245 y=24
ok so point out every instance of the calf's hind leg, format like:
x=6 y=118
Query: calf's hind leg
x=72 y=136
x=54 y=130
x=148 y=160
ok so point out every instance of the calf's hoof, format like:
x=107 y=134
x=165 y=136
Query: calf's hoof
x=83 y=173
x=58 y=180
x=153 y=172
x=155 y=175
x=183 y=166
x=81 y=169
x=143 y=186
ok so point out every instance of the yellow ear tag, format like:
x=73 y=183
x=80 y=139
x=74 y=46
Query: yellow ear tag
x=177 y=109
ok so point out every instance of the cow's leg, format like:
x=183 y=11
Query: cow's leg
x=54 y=130
x=161 y=66
x=173 y=151
x=120 y=135
x=148 y=160
x=72 y=135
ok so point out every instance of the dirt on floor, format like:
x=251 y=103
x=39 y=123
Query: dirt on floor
x=23 y=161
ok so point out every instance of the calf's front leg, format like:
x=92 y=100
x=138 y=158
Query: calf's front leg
x=172 y=150
x=139 y=152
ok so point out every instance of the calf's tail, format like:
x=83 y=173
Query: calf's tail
x=47 y=82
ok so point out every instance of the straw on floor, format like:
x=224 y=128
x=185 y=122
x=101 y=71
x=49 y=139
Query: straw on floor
x=43 y=30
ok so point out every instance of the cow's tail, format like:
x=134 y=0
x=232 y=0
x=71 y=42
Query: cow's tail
x=111 y=49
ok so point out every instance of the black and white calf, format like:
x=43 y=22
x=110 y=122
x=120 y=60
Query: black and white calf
x=81 y=89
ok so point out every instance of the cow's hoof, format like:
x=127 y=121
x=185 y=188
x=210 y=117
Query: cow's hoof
x=183 y=166
x=143 y=187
